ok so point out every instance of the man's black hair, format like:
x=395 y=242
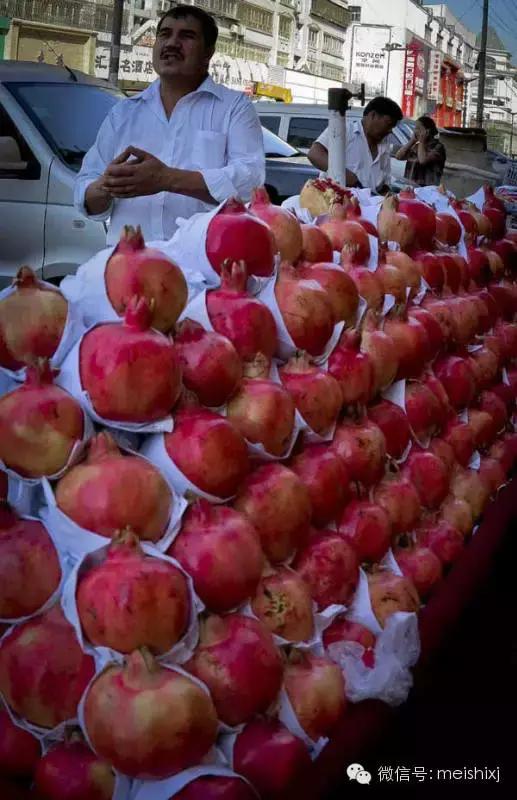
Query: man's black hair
x=208 y=23
x=429 y=124
x=385 y=107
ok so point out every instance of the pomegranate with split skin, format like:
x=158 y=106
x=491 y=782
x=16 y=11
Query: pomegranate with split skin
x=283 y=603
x=391 y=593
x=234 y=234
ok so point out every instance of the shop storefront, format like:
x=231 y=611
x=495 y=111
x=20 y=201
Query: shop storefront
x=449 y=106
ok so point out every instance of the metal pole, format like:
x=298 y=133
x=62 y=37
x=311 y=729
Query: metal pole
x=511 y=138
x=116 y=35
x=482 y=66
x=338 y=104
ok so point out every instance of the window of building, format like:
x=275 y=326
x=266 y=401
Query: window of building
x=272 y=123
x=355 y=13
x=282 y=59
x=238 y=49
x=303 y=131
x=284 y=27
x=428 y=32
x=314 y=36
x=449 y=48
x=332 y=45
x=257 y=19
x=331 y=72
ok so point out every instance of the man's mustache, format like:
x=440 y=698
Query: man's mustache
x=166 y=53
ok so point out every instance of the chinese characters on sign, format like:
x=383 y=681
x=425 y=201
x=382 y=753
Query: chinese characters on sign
x=136 y=63
x=369 y=58
x=435 y=68
x=414 y=77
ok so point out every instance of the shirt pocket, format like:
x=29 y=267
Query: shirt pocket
x=208 y=149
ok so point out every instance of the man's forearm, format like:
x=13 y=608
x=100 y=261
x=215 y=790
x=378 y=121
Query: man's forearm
x=96 y=199
x=188 y=183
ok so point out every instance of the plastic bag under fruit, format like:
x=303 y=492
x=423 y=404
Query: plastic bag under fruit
x=170 y=787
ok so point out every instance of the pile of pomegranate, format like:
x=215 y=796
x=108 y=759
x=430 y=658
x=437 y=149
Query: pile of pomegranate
x=305 y=477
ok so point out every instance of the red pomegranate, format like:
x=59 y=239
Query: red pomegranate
x=283 y=603
x=282 y=223
x=465 y=319
x=326 y=478
x=148 y=721
x=210 y=364
x=39 y=425
x=468 y=221
x=317 y=247
x=391 y=593
x=263 y=411
x=420 y=565
x=486 y=368
x=134 y=269
x=362 y=446
x=411 y=345
x=507 y=249
x=409 y=269
x=352 y=369
x=316 y=688
x=237 y=659
x=382 y=352
x=460 y=436
x=368 y=286
x=467 y=485
x=495 y=261
x=270 y=757
x=329 y=566
x=209 y=450
x=431 y=267
x=216 y=787
x=443 y=410
x=236 y=235
x=438 y=535
x=493 y=404
x=395 y=226
x=340 y=288
x=502 y=295
x=394 y=424
x=448 y=229
x=492 y=474
x=43 y=671
x=220 y=550
x=392 y=279
x=506 y=332
x=483 y=223
x=458 y=513
x=343 y=630
x=32 y=321
x=20 y=751
x=444 y=451
x=423 y=410
x=347 y=236
x=71 y=771
x=133 y=600
x=479 y=266
x=441 y=311
x=94 y=492
x=399 y=499
x=306 y=310
x=316 y=393
x=116 y=357
x=244 y=320
x=497 y=219
x=488 y=316
x=30 y=571
x=429 y=476
x=422 y=215
x=367 y=528
x=457 y=378
x=353 y=212
x=483 y=428
x=453 y=273
x=278 y=504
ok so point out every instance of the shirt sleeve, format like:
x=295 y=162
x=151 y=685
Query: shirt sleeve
x=246 y=166
x=100 y=154
x=323 y=138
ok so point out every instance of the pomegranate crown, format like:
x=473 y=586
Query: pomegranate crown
x=139 y=313
x=260 y=197
x=131 y=239
x=257 y=368
x=140 y=664
x=25 y=278
x=40 y=373
x=233 y=206
x=101 y=446
x=189 y=330
x=299 y=363
x=234 y=275
x=125 y=539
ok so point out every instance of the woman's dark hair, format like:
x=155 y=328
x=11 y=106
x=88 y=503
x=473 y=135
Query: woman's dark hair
x=429 y=124
x=208 y=23
x=385 y=108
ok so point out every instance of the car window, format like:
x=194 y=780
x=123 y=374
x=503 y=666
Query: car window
x=304 y=130
x=16 y=160
x=274 y=146
x=272 y=123
x=68 y=115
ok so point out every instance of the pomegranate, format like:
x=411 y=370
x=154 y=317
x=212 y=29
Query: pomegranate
x=329 y=566
x=486 y=367
x=409 y=269
x=220 y=550
x=347 y=236
x=479 y=266
x=306 y=309
x=468 y=221
x=497 y=219
x=40 y=424
x=506 y=332
x=367 y=528
x=368 y=286
x=263 y=411
x=237 y=659
x=495 y=261
x=270 y=757
x=392 y=280
x=464 y=270
x=460 y=436
x=394 y=425
x=316 y=393
x=32 y=321
x=381 y=351
x=216 y=787
x=210 y=364
x=411 y=344
x=244 y=320
x=448 y=229
x=353 y=212
x=502 y=296
x=352 y=369
x=278 y=504
x=236 y=235
x=282 y=223
x=491 y=199
x=390 y=594
x=326 y=478
x=483 y=428
x=429 y=476
x=465 y=319
x=492 y=474
x=94 y=493
x=316 y=245
x=132 y=600
x=458 y=513
x=431 y=268
x=442 y=538
x=442 y=312
x=343 y=630
x=30 y=572
x=444 y=451
x=422 y=216
x=362 y=446
x=423 y=410
x=316 y=688
x=134 y=269
x=395 y=226
x=457 y=378
x=71 y=771
x=283 y=603
x=443 y=409
x=505 y=451
x=116 y=357
x=20 y=751
x=340 y=288
x=507 y=250
x=420 y=565
x=43 y=671
x=209 y=450
x=467 y=485
x=399 y=499
x=148 y=721
x=506 y=394
x=488 y=319
x=494 y=405
x=453 y=274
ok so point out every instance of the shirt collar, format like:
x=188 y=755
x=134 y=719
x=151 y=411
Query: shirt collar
x=208 y=86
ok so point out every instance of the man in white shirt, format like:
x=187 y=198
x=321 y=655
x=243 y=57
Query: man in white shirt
x=368 y=159
x=177 y=148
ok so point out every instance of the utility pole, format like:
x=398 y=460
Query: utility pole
x=482 y=66
x=116 y=35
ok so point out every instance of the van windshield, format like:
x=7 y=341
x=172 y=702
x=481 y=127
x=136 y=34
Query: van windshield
x=68 y=115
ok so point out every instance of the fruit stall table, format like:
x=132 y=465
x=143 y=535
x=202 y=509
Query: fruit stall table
x=366 y=722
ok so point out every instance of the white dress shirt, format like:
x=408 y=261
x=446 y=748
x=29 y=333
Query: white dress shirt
x=371 y=172
x=213 y=130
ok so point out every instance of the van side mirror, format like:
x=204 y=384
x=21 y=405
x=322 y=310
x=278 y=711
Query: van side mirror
x=10 y=156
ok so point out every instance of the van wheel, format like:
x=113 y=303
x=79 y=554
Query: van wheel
x=273 y=194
